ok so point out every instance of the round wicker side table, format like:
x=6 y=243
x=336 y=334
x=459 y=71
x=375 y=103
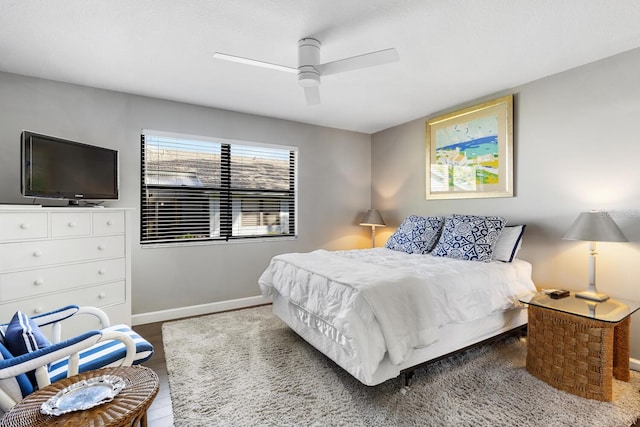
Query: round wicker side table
x=128 y=408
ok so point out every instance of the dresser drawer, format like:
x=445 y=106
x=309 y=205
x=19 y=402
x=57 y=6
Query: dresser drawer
x=108 y=223
x=70 y=224
x=34 y=254
x=23 y=225
x=53 y=257
x=31 y=283
x=94 y=296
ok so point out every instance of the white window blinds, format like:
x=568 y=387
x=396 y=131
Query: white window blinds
x=197 y=188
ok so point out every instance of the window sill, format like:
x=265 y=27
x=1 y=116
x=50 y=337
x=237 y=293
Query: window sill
x=217 y=242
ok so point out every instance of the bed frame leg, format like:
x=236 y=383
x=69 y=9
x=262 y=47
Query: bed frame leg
x=408 y=376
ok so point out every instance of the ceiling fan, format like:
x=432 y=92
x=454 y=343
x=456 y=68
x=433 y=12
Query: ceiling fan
x=310 y=70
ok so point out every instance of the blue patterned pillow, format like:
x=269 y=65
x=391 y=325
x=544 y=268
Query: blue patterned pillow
x=469 y=237
x=416 y=234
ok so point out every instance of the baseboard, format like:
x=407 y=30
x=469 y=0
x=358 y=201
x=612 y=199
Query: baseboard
x=196 y=310
x=216 y=307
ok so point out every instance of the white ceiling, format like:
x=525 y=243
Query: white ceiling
x=451 y=51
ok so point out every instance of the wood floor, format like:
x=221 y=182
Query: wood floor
x=160 y=414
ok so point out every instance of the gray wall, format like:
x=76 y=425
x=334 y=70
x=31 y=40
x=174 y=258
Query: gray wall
x=577 y=148
x=334 y=179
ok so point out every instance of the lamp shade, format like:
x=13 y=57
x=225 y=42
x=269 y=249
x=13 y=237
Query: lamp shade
x=372 y=218
x=595 y=226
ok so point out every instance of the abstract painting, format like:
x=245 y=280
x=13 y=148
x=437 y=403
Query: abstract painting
x=470 y=152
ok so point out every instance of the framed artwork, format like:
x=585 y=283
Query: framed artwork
x=470 y=152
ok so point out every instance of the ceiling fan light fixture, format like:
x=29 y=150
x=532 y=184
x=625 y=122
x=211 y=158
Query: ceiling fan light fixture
x=308 y=76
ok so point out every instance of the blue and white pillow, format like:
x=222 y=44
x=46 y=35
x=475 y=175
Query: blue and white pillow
x=23 y=336
x=416 y=234
x=469 y=237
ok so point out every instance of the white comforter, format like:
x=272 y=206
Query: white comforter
x=385 y=301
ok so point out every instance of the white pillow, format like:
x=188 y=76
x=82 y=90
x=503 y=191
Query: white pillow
x=508 y=243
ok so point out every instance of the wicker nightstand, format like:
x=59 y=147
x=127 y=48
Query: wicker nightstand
x=578 y=345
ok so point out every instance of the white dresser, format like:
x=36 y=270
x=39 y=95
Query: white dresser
x=52 y=257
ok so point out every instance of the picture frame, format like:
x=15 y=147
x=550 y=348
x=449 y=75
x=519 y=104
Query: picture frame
x=470 y=152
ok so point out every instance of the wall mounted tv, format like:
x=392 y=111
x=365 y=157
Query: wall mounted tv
x=55 y=168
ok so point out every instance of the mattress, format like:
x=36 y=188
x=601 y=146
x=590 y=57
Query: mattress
x=379 y=307
x=458 y=336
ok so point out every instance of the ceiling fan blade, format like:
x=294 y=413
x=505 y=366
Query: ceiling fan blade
x=312 y=93
x=361 y=61
x=241 y=60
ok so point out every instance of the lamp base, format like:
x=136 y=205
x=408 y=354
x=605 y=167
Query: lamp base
x=593 y=296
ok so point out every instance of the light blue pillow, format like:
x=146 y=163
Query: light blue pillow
x=416 y=234
x=469 y=237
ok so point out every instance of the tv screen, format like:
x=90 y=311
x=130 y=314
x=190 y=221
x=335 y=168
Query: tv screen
x=61 y=169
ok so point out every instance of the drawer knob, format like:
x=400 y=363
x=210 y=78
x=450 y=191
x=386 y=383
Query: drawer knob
x=37 y=253
x=102 y=271
x=109 y=222
x=101 y=247
x=37 y=310
x=102 y=295
x=25 y=226
x=38 y=282
x=72 y=224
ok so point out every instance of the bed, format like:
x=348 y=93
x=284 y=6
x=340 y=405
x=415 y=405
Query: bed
x=380 y=312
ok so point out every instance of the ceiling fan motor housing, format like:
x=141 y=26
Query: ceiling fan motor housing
x=308 y=60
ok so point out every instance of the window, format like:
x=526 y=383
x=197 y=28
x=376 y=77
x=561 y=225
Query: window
x=198 y=188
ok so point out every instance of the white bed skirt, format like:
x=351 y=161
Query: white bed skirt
x=454 y=337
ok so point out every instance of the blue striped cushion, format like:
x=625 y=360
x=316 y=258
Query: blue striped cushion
x=56 y=315
x=17 y=387
x=105 y=353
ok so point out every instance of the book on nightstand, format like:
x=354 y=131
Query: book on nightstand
x=557 y=294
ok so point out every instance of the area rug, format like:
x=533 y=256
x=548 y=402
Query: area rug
x=247 y=368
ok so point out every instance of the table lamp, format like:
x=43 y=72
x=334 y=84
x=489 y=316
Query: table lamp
x=594 y=227
x=373 y=219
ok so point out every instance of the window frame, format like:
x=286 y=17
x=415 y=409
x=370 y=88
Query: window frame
x=227 y=220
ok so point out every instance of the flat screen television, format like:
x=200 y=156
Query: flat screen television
x=55 y=168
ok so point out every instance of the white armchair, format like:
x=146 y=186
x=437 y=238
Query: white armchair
x=109 y=346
